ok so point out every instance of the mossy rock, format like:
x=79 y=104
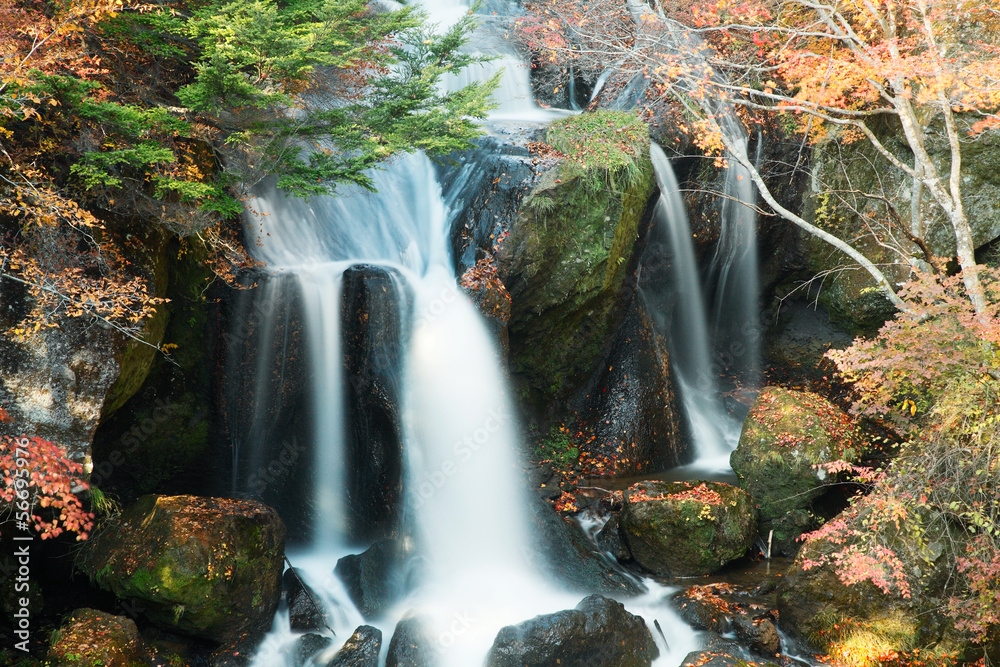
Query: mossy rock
x=570 y=249
x=682 y=529
x=92 y=638
x=785 y=435
x=841 y=167
x=208 y=567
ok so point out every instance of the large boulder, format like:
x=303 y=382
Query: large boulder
x=681 y=529
x=92 y=638
x=628 y=409
x=785 y=436
x=599 y=631
x=570 y=250
x=59 y=382
x=833 y=200
x=360 y=650
x=410 y=645
x=208 y=567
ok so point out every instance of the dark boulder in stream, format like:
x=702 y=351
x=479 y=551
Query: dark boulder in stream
x=375 y=578
x=599 y=631
x=682 y=529
x=208 y=567
x=410 y=645
x=305 y=609
x=360 y=650
x=566 y=553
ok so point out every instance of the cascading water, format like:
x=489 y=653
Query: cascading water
x=714 y=432
x=734 y=270
x=464 y=515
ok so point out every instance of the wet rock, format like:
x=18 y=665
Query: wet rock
x=410 y=645
x=308 y=645
x=561 y=549
x=784 y=436
x=305 y=609
x=374 y=579
x=610 y=540
x=262 y=326
x=628 y=408
x=373 y=340
x=599 y=631
x=360 y=650
x=239 y=652
x=703 y=612
x=92 y=638
x=759 y=634
x=680 y=529
x=208 y=567
x=711 y=659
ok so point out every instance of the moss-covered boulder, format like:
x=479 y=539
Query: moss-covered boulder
x=570 y=250
x=208 y=567
x=92 y=638
x=785 y=435
x=681 y=529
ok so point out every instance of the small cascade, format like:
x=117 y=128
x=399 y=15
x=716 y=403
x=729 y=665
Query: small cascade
x=734 y=268
x=714 y=432
x=464 y=517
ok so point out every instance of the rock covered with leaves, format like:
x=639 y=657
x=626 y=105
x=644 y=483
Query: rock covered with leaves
x=208 y=567
x=598 y=632
x=786 y=435
x=92 y=638
x=681 y=529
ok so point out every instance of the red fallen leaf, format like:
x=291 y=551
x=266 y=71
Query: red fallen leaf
x=5 y=416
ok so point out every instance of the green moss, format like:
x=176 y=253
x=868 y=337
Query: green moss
x=570 y=248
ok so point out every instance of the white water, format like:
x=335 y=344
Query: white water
x=715 y=433
x=465 y=507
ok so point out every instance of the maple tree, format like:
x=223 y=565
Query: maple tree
x=39 y=487
x=842 y=71
x=931 y=374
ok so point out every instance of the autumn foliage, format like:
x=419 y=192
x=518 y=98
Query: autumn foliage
x=39 y=487
x=932 y=374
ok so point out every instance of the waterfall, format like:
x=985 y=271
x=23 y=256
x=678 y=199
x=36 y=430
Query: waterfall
x=714 y=432
x=464 y=514
x=734 y=269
